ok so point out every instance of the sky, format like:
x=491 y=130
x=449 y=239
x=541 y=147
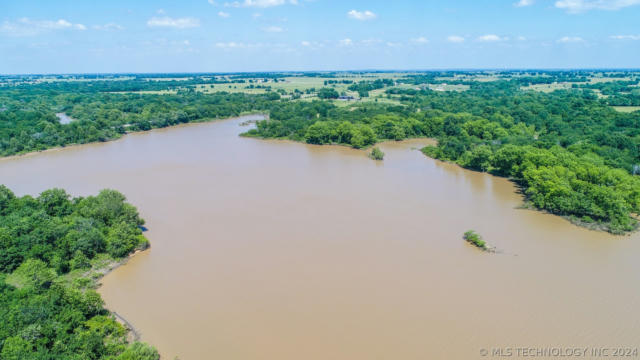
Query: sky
x=121 y=36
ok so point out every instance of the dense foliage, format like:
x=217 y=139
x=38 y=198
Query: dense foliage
x=28 y=119
x=48 y=309
x=363 y=87
x=572 y=154
x=570 y=151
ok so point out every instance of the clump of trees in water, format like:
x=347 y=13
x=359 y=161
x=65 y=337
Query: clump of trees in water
x=475 y=239
x=48 y=244
x=376 y=154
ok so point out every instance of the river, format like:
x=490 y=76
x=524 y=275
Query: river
x=280 y=250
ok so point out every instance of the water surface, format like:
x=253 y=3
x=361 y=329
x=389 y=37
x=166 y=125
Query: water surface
x=280 y=250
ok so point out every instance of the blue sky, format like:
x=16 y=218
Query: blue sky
x=71 y=36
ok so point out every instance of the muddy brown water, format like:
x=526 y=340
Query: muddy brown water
x=280 y=250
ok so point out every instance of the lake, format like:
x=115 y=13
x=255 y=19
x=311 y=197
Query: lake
x=281 y=250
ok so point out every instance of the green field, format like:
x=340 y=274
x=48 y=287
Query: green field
x=626 y=109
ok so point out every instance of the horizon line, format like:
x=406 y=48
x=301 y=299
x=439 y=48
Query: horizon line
x=523 y=69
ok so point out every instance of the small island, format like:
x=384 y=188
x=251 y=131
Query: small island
x=475 y=239
x=376 y=154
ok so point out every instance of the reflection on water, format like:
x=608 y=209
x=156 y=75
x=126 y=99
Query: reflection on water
x=279 y=250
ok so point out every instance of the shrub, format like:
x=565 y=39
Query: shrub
x=376 y=154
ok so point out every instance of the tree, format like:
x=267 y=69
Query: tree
x=376 y=154
x=328 y=93
x=318 y=133
x=33 y=273
x=16 y=348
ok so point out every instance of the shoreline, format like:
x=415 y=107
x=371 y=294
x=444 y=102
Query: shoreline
x=75 y=145
x=526 y=205
x=133 y=334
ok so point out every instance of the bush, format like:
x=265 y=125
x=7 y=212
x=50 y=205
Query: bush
x=475 y=239
x=376 y=154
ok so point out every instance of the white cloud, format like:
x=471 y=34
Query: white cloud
x=570 y=39
x=108 y=27
x=346 y=42
x=455 y=39
x=261 y=3
x=212 y=2
x=578 y=6
x=312 y=44
x=177 y=23
x=370 y=42
x=523 y=3
x=241 y=45
x=231 y=44
x=28 y=27
x=361 y=15
x=273 y=29
x=420 y=40
x=160 y=11
x=521 y=38
x=625 y=37
x=223 y=14
x=491 y=38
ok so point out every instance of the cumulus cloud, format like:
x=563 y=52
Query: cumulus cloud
x=578 y=6
x=29 y=27
x=420 y=40
x=523 y=3
x=346 y=42
x=570 y=39
x=491 y=38
x=361 y=15
x=261 y=3
x=223 y=14
x=625 y=37
x=455 y=39
x=176 y=23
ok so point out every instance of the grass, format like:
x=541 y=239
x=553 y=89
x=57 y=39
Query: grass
x=626 y=109
x=156 y=92
x=547 y=88
x=448 y=87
